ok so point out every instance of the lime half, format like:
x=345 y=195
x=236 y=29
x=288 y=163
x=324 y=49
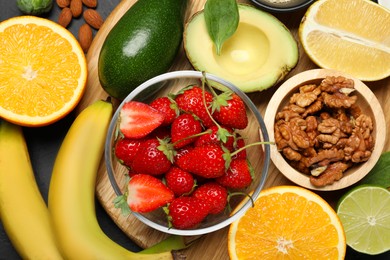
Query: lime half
x=365 y=214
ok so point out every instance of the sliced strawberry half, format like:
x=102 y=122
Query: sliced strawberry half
x=147 y=193
x=137 y=120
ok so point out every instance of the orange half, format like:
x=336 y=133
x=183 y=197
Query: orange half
x=43 y=71
x=287 y=222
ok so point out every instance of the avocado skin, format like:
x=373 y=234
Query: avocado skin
x=141 y=45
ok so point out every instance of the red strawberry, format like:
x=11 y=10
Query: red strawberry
x=191 y=100
x=131 y=172
x=137 y=120
x=239 y=144
x=125 y=149
x=147 y=193
x=150 y=159
x=187 y=212
x=229 y=110
x=180 y=158
x=216 y=138
x=161 y=132
x=238 y=176
x=166 y=106
x=206 y=161
x=182 y=127
x=213 y=194
x=179 y=181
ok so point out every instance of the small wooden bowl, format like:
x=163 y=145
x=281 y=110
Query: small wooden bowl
x=366 y=100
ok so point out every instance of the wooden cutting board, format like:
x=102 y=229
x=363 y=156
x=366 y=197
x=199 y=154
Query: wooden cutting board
x=214 y=245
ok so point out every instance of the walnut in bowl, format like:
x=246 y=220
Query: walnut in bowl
x=329 y=129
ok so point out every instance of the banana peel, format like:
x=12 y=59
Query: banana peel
x=69 y=228
x=72 y=193
x=23 y=211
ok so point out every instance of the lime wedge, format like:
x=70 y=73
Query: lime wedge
x=365 y=215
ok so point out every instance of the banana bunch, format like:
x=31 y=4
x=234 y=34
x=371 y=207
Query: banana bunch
x=68 y=228
x=23 y=211
x=72 y=190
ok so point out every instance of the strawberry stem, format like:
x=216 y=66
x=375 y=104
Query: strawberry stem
x=174 y=106
x=222 y=133
x=208 y=85
x=121 y=203
x=227 y=156
x=169 y=218
x=249 y=145
x=167 y=148
x=204 y=99
x=208 y=131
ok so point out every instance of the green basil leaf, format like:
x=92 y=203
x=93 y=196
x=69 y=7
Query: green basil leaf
x=222 y=20
x=380 y=174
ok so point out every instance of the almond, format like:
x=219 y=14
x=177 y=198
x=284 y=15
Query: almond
x=65 y=17
x=85 y=37
x=76 y=6
x=63 y=3
x=93 y=18
x=90 y=3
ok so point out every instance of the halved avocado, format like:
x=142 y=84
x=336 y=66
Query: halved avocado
x=260 y=53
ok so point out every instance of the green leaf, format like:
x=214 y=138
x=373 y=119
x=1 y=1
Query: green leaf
x=221 y=101
x=223 y=134
x=227 y=157
x=121 y=203
x=167 y=148
x=380 y=174
x=222 y=20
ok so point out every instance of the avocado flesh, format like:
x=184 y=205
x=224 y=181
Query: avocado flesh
x=260 y=53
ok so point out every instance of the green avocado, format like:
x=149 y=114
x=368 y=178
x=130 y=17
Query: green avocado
x=141 y=45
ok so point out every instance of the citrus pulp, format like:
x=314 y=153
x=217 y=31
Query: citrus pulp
x=351 y=36
x=365 y=214
x=43 y=71
x=287 y=222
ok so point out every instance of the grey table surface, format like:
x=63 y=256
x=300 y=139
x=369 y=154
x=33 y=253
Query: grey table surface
x=44 y=142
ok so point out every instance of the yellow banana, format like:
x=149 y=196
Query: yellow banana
x=23 y=211
x=72 y=190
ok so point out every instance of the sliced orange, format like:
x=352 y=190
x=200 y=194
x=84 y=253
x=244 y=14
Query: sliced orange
x=287 y=222
x=348 y=35
x=43 y=71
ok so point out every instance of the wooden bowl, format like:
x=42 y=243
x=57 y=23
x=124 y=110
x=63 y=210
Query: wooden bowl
x=369 y=106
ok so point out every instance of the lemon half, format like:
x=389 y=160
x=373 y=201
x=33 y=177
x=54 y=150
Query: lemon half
x=352 y=36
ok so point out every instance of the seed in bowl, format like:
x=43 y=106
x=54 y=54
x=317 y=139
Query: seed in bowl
x=322 y=132
x=191 y=147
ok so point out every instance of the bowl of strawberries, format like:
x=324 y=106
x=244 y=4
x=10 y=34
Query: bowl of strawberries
x=187 y=153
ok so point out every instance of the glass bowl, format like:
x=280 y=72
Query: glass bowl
x=282 y=6
x=258 y=155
